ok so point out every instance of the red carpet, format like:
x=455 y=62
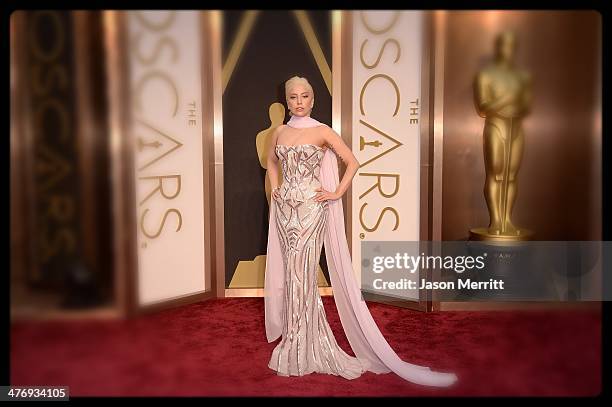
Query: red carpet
x=218 y=348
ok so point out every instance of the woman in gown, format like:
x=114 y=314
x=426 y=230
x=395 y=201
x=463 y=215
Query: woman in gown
x=305 y=213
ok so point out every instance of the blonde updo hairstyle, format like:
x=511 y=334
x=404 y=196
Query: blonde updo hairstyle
x=297 y=80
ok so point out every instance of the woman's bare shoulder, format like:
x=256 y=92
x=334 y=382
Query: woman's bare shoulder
x=279 y=129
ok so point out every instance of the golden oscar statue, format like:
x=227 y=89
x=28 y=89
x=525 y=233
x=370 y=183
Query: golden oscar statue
x=502 y=94
x=251 y=273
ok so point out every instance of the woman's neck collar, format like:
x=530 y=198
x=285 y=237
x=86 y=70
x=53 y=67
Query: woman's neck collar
x=302 y=122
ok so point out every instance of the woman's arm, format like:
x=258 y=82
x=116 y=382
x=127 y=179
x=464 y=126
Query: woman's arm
x=272 y=160
x=335 y=142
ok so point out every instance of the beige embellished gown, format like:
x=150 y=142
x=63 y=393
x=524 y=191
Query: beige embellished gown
x=307 y=344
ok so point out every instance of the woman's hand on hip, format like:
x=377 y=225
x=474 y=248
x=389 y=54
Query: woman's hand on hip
x=323 y=195
x=276 y=193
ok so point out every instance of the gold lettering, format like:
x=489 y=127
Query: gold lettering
x=385 y=135
x=385 y=209
x=155 y=26
x=61 y=208
x=61 y=112
x=382 y=30
x=177 y=144
x=38 y=52
x=394 y=41
x=384 y=76
x=57 y=71
x=379 y=185
x=160 y=187
x=153 y=236
x=149 y=60
x=155 y=137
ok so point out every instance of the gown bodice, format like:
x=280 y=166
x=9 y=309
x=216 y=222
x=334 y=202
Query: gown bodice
x=301 y=168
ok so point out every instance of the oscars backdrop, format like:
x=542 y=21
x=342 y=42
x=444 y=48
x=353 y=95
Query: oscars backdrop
x=166 y=126
x=387 y=58
x=261 y=50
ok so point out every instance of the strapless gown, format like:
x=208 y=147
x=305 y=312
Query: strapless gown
x=307 y=344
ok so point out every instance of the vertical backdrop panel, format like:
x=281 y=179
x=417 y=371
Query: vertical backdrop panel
x=387 y=59
x=165 y=79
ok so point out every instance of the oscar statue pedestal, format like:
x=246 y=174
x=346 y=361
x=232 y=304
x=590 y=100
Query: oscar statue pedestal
x=508 y=259
x=520 y=264
x=484 y=235
x=507 y=262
